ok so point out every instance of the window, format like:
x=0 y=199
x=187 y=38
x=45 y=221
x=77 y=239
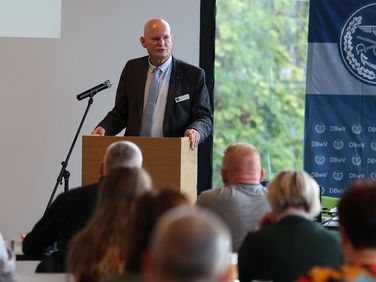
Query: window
x=260 y=80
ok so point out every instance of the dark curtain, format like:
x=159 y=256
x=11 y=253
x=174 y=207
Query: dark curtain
x=207 y=56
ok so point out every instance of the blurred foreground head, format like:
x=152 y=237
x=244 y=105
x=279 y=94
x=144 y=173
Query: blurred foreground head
x=189 y=245
x=357 y=216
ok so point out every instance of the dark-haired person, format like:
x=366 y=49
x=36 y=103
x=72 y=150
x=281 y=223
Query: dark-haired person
x=357 y=226
x=189 y=245
x=97 y=252
x=292 y=243
x=148 y=209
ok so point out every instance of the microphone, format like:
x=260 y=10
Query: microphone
x=92 y=91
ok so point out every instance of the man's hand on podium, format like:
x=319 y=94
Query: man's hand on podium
x=99 y=131
x=194 y=137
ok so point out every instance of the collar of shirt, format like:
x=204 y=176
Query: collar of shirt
x=162 y=67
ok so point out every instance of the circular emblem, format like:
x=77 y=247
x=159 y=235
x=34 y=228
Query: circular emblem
x=320 y=159
x=373 y=145
x=373 y=175
x=356 y=128
x=337 y=175
x=320 y=128
x=338 y=144
x=322 y=188
x=356 y=160
x=358 y=44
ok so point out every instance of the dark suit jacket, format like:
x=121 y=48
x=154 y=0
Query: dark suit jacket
x=64 y=218
x=286 y=250
x=194 y=113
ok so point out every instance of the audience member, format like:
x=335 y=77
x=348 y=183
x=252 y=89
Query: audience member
x=189 y=245
x=148 y=210
x=71 y=210
x=357 y=226
x=7 y=263
x=293 y=242
x=98 y=251
x=242 y=202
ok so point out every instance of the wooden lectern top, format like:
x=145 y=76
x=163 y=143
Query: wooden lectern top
x=169 y=160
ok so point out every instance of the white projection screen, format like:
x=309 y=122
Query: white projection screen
x=25 y=18
x=41 y=74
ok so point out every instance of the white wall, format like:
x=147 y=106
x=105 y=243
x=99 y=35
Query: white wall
x=39 y=79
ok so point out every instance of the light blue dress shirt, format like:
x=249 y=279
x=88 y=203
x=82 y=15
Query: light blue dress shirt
x=160 y=107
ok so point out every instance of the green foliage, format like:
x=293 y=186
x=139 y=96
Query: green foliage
x=260 y=80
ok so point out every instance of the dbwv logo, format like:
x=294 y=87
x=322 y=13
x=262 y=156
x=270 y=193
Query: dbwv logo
x=358 y=44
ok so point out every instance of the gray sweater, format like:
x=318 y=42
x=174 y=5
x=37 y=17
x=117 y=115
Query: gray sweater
x=240 y=206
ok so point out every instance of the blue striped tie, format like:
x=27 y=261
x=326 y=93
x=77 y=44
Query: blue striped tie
x=147 y=117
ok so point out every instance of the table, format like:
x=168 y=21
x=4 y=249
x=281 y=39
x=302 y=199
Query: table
x=44 y=277
x=330 y=222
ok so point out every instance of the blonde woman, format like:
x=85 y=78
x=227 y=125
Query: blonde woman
x=98 y=251
x=292 y=242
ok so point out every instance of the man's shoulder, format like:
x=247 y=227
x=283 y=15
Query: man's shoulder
x=73 y=200
x=215 y=197
x=137 y=61
x=212 y=193
x=184 y=66
x=251 y=187
x=238 y=189
x=79 y=192
x=184 y=63
x=246 y=190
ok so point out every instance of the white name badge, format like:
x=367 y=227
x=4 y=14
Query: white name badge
x=182 y=98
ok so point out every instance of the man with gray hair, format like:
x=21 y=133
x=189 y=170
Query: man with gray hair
x=71 y=210
x=121 y=153
x=189 y=245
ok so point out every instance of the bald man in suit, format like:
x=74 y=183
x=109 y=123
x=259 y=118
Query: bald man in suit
x=182 y=107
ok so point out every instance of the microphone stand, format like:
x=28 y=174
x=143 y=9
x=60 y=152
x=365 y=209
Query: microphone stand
x=64 y=173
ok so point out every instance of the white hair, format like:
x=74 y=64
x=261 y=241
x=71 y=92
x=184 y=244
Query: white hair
x=291 y=188
x=122 y=153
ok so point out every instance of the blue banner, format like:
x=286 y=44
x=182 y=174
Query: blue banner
x=340 y=116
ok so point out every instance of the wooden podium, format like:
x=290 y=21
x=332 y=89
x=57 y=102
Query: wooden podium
x=169 y=161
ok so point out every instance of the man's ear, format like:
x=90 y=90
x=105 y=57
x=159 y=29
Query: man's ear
x=224 y=176
x=262 y=174
x=142 y=41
